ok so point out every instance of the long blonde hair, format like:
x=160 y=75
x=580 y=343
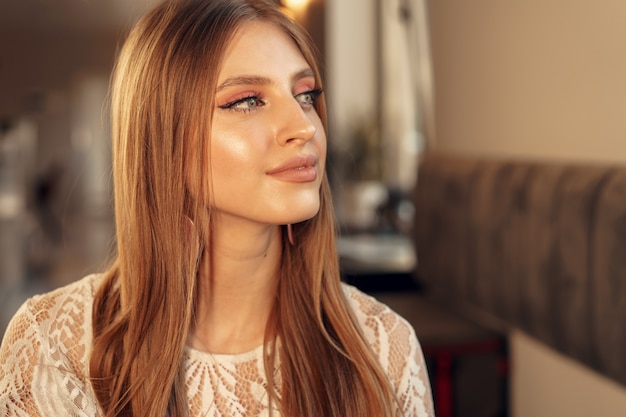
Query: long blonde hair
x=161 y=105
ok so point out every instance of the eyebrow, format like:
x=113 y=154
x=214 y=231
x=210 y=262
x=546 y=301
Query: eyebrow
x=260 y=80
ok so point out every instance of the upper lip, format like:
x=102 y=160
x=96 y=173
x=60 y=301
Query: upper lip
x=304 y=161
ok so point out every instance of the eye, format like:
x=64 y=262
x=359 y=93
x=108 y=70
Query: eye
x=245 y=104
x=308 y=97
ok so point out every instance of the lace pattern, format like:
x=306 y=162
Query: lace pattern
x=225 y=385
x=44 y=358
x=394 y=342
x=44 y=361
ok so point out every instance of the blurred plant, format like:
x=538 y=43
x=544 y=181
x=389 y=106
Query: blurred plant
x=363 y=157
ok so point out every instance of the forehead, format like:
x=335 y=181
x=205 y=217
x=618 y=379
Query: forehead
x=261 y=48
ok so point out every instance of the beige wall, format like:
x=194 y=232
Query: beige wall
x=536 y=79
x=546 y=384
x=350 y=65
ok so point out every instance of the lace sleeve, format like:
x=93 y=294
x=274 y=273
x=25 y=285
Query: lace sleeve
x=393 y=340
x=18 y=358
x=43 y=358
x=414 y=389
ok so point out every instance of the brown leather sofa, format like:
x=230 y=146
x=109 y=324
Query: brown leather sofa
x=539 y=245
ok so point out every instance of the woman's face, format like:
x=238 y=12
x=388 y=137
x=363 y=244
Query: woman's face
x=267 y=146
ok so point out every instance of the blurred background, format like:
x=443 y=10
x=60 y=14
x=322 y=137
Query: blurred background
x=518 y=79
x=55 y=180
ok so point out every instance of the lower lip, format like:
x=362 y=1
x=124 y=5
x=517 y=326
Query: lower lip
x=297 y=175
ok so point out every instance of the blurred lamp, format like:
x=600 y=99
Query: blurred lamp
x=295 y=5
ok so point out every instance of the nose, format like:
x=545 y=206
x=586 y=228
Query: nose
x=296 y=123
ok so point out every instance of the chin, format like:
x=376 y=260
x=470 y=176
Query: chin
x=297 y=216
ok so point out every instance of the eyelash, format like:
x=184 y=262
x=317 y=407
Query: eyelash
x=315 y=93
x=232 y=106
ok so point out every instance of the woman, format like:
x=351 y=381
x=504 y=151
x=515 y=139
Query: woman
x=225 y=297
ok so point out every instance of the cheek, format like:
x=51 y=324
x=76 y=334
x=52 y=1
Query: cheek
x=320 y=144
x=230 y=151
x=224 y=155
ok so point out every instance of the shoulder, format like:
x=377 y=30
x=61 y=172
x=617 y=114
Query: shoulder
x=77 y=292
x=380 y=324
x=399 y=353
x=57 y=321
x=45 y=350
x=65 y=309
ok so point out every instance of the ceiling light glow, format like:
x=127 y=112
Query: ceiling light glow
x=296 y=4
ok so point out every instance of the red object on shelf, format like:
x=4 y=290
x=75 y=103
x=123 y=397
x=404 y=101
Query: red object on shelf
x=444 y=357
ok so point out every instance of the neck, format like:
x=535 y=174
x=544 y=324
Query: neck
x=237 y=282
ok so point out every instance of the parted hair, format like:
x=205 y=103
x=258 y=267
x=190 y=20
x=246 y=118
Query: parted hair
x=162 y=100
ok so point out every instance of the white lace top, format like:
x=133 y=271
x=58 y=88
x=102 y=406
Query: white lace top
x=45 y=354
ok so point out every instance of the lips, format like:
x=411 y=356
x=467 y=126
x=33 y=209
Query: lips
x=299 y=169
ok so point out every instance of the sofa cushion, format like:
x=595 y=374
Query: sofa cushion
x=540 y=245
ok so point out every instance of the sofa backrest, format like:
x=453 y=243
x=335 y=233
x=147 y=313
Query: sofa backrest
x=538 y=244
